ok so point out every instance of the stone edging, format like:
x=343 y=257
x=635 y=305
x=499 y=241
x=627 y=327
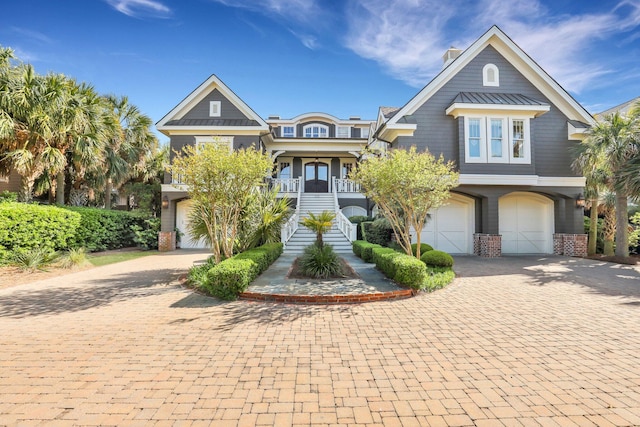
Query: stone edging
x=329 y=299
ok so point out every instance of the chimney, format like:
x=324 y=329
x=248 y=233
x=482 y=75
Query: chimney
x=274 y=117
x=451 y=54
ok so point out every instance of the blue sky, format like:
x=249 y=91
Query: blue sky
x=343 y=57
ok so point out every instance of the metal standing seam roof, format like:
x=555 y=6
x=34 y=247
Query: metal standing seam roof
x=212 y=122
x=496 y=99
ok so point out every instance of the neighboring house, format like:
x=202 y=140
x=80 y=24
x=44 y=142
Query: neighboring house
x=10 y=182
x=492 y=110
x=623 y=108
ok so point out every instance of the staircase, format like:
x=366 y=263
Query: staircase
x=316 y=203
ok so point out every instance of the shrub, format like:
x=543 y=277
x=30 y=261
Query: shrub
x=27 y=226
x=274 y=250
x=260 y=258
x=197 y=275
x=8 y=196
x=410 y=271
x=230 y=278
x=386 y=262
x=102 y=229
x=376 y=253
x=437 y=259
x=320 y=262
x=378 y=231
x=75 y=257
x=424 y=248
x=356 y=246
x=437 y=278
x=357 y=220
x=367 y=252
x=34 y=259
x=146 y=237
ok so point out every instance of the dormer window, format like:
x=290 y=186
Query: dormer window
x=343 y=132
x=490 y=75
x=288 y=131
x=214 y=108
x=316 y=131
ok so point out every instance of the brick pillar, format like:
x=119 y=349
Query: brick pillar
x=166 y=241
x=558 y=244
x=487 y=245
x=575 y=245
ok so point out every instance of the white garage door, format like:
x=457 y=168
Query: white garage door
x=526 y=224
x=451 y=226
x=182 y=220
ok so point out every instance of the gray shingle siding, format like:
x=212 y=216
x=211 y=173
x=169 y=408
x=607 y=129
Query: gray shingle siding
x=227 y=109
x=550 y=153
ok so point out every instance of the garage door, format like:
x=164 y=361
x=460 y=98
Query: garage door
x=182 y=221
x=526 y=223
x=451 y=226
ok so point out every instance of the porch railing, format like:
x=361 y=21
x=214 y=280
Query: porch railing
x=287 y=185
x=292 y=225
x=344 y=225
x=343 y=185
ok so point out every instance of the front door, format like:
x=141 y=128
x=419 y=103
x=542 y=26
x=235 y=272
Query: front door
x=316 y=177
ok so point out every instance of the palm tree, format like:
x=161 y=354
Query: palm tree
x=319 y=224
x=614 y=138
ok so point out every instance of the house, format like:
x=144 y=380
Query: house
x=624 y=109
x=506 y=123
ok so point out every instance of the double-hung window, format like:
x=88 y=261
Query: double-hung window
x=491 y=139
x=288 y=131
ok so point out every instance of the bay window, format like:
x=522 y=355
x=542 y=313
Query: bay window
x=491 y=139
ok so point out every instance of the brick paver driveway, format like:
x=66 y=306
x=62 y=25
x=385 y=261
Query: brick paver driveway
x=513 y=341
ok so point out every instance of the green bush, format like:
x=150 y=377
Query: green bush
x=424 y=248
x=437 y=259
x=437 y=278
x=386 y=262
x=230 y=278
x=376 y=253
x=102 y=229
x=146 y=237
x=34 y=259
x=274 y=250
x=409 y=271
x=27 y=226
x=378 y=231
x=197 y=275
x=356 y=246
x=357 y=220
x=320 y=262
x=367 y=252
x=260 y=258
x=8 y=196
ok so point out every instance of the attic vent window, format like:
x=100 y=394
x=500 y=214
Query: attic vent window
x=214 y=109
x=490 y=75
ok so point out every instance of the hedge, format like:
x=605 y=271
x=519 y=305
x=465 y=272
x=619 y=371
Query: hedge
x=437 y=259
x=357 y=220
x=424 y=248
x=27 y=226
x=233 y=275
x=102 y=229
x=372 y=232
x=409 y=271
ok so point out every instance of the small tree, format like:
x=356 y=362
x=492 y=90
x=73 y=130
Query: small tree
x=406 y=185
x=219 y=182
x=319 y=224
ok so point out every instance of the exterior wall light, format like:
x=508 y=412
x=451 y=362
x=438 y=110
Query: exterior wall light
x=165 y=202
x=580 y=202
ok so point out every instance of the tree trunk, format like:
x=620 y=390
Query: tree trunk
x=609 y=230
x=25 y=194
x=60 y=188
x=593 y=228
x=622 y=225
x=107 y=194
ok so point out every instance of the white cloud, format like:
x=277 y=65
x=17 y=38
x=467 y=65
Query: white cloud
x=408 y=37
x=139 y=8
x=34 y=35
x=301 y=17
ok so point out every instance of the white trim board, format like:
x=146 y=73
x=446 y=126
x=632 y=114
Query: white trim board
x=533 y=180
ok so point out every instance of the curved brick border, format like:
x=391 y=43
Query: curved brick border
x=329 y=299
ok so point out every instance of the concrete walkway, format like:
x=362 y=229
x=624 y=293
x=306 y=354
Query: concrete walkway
x=513 y=341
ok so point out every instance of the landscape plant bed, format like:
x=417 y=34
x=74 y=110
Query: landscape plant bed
x=347 y=272
x=630 y=260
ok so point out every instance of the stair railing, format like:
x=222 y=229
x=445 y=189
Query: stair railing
x=291 y=226
x=344 y=225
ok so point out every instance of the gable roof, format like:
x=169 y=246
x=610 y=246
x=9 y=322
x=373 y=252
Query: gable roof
x=516 y=56
x=623 y=108
x=174 y=118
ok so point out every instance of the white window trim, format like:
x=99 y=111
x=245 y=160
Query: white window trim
x=319 y=126
x=215 y=108
x=504 y=141
x=281 y=160
x=363 y=130
x=287 y=126
x=346 y=160
x=222 y=140
x=483 y=140
x=485 y=75
x=338 y=127
x=527 y=142
x=507 y=138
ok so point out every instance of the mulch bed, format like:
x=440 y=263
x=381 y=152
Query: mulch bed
x=347 y=270
x=630 y=260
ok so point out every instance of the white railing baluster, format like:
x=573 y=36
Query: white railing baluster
x=292 y=225
x=343 y=185
x=344 y=225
